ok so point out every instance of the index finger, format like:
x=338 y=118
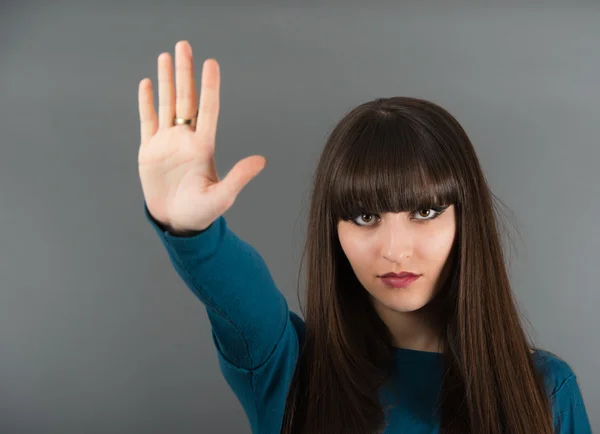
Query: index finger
x=208 y=111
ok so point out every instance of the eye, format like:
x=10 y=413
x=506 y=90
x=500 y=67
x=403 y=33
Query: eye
x=353 y=219
x=431 y=214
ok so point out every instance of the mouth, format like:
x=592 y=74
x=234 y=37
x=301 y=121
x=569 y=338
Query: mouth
x=399 y=275
x=392 y=280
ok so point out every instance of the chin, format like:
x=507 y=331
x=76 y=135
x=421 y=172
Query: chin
x=403 y=303
x=406 y=307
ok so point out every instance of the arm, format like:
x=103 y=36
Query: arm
x=570 y=415
x=247 y=312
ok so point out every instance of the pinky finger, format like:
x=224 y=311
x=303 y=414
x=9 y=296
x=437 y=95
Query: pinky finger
x=148 y=117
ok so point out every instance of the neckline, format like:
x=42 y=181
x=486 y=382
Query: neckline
x=409 y=353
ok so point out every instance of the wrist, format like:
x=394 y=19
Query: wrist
x=182 y=233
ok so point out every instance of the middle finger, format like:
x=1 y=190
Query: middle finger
x=186 y=85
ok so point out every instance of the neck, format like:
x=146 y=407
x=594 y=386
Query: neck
x=411 y=330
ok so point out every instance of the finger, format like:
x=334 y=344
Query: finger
x=166 y=91
x=148 y=117
x=240 y=175
x=208 y=111
x=184 y=76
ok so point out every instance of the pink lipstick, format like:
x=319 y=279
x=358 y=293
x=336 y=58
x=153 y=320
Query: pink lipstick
x=399 y=280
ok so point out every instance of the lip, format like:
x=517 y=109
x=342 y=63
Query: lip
x=400 y=282
x=403 y=274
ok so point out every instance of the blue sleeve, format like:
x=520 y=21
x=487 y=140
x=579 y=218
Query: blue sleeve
x=247 y=311
x=570 y=416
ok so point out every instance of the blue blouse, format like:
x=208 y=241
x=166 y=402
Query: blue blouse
x=257 y=340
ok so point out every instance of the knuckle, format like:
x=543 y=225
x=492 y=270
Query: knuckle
x=185 y=93
x=208 y=107
x=210 y=85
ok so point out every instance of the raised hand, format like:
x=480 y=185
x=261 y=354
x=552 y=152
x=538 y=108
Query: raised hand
x=176 y=163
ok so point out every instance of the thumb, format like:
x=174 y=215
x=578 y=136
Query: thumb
x=241 y=174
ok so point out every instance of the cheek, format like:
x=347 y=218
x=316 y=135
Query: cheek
x=359 y=251
x=352 y=249
x=436 y=247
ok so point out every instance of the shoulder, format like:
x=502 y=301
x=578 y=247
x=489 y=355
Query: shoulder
x=298 y=322
x=569 y=411
x=299 y=325
x=554 y=369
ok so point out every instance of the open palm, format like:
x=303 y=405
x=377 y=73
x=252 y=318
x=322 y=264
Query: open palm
x=176 y=163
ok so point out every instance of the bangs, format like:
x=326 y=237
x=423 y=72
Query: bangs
x=391 y=167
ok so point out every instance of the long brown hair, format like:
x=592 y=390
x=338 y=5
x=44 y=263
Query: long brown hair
x=394 y=155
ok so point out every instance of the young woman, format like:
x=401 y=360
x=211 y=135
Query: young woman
x=436 y=347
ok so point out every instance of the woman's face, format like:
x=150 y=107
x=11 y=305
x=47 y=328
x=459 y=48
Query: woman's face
x=394 y=242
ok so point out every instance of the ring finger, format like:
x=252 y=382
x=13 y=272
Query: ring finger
x=186 y=102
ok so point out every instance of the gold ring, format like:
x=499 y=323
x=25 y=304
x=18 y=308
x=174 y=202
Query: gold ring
x=182 y=121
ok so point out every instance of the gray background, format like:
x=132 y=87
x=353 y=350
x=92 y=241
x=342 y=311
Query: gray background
x=97 y=331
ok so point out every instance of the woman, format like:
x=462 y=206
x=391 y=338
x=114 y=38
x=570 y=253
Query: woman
x=398 y=189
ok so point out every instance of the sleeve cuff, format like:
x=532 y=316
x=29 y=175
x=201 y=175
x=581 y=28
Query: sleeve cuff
x=202 y=244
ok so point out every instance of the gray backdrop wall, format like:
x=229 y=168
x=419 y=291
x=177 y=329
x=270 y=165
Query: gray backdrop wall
x=97 y=331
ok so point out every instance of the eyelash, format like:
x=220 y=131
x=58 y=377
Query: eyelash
x=439 y=210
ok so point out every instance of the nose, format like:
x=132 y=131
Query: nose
x=397 y=242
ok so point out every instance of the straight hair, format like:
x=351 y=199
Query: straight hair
x=394 y=155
